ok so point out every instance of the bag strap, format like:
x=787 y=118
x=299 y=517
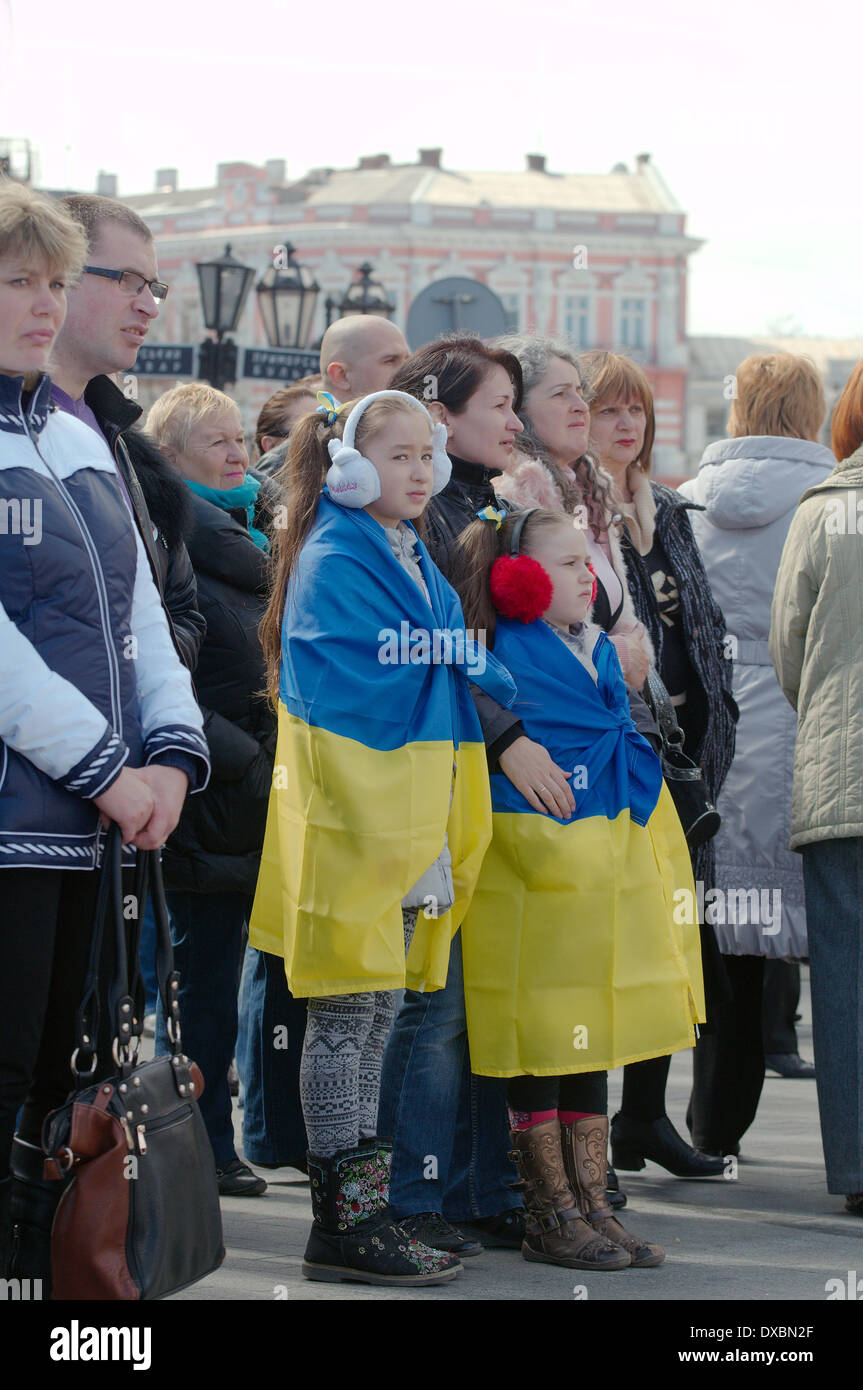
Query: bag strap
x=167 y=977
x=663 y=710
x=127 y=1026
x=109 y=899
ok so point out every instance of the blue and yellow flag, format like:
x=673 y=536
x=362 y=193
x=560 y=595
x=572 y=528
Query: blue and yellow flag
x=379 y=757
x=572 y=958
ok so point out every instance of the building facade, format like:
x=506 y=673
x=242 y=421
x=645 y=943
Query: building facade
x=600 y=260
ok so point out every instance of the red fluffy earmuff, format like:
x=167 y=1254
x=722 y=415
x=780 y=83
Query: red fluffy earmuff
x=520 y=588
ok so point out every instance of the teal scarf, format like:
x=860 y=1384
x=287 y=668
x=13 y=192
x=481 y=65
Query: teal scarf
x=243 y=496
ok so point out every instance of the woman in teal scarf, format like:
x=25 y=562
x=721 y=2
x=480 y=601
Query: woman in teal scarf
x=211 y=863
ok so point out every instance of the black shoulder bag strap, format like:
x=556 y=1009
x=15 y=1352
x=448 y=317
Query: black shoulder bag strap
x=127 y=1026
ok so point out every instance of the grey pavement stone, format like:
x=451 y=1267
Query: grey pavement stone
x=774 y=1233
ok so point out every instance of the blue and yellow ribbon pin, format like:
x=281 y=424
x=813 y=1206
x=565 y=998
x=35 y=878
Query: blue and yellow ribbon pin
x=328 y=407
x=490 y=513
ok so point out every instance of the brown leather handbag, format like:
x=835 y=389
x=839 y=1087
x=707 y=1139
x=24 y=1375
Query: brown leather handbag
x=139 y=1217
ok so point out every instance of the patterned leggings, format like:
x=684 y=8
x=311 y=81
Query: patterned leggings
x=340 y=1070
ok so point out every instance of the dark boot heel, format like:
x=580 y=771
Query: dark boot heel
x=632 y=1141
x=629 y=1159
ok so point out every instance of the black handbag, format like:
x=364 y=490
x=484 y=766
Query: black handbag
x=685 y=779
x=139 y=1217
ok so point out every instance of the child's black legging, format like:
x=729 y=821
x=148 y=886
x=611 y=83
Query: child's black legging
x=586 y=1092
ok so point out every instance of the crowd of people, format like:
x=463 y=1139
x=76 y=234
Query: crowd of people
x=404 y=715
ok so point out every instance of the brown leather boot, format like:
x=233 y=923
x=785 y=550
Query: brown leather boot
x=556 y=1232
x=585 y=1155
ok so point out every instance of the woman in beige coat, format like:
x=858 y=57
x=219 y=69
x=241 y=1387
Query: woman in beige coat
x=816 y=644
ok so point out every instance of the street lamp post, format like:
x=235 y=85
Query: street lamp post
x=364 y=296
x=224 y=286
x=287 y=296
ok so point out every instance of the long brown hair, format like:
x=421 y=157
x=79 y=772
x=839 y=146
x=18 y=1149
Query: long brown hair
x=609 y=377
x=306 y=469
x=475 y=551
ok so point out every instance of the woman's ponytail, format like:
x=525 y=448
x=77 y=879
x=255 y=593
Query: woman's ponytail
x=304 y=473
x=522 y=588
x=472 y=556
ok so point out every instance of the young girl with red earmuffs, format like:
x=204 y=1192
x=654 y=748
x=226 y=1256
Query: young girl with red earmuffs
x=573 y=960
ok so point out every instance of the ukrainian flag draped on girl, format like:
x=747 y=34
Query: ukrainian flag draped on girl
x=572 y=958
x=376 y=762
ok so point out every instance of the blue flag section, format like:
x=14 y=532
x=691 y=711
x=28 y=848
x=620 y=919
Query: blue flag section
x=580 y=724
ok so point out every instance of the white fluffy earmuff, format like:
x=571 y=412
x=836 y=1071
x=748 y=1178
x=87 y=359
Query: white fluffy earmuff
x=353 y=480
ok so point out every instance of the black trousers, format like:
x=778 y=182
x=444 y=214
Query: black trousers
x=728 y=1066
x=781 y=997
x=586 y=1091
x=46 y=925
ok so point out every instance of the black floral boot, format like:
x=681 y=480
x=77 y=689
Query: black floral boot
x=354 y=1236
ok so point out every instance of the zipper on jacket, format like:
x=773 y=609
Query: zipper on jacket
x=101 y=587
x=148 y=549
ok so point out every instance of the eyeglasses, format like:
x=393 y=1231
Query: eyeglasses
x=130 y=281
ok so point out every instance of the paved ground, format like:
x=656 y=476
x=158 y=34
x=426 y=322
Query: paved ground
x=773 y=1234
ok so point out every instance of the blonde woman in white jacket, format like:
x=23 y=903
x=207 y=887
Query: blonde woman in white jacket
x=98 y=721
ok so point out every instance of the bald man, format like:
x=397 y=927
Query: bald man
x=359 y=354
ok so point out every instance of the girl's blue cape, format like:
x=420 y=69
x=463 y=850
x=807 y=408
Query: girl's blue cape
x=364 y=655
x=583 y=725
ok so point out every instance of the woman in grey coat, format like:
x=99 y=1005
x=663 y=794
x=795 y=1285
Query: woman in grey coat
x=749 y=487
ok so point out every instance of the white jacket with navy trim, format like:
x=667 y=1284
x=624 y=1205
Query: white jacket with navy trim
x=89 y=677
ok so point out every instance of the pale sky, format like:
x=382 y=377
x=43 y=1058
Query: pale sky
x=749 y=108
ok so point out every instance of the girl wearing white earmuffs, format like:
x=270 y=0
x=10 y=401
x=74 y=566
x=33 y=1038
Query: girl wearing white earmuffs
x=380 y=811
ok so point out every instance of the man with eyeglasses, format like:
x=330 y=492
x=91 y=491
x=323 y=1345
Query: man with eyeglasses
x=110 y=312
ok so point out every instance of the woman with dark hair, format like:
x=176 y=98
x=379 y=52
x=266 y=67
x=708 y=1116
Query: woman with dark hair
x=476 y=392
x=815 y=646
x=430 y=1102
x=671 y=595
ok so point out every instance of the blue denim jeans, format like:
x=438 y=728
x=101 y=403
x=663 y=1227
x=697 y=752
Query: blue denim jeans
x=207 y=932
x=833 y=881
x=450 y=1129
x=269 y=1048
x=147 y=958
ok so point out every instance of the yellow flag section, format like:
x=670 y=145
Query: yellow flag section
x=349 y=832
x=572 y=958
